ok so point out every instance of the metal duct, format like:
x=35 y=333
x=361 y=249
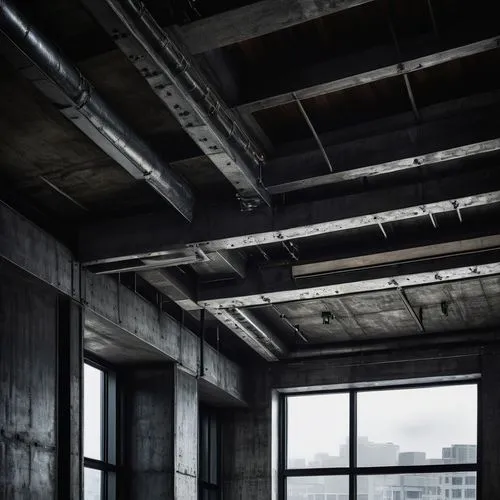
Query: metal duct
x=246 y=326
x=76 y=98
x=187 y=93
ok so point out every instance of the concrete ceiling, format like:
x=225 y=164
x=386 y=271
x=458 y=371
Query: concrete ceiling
x=401 y=96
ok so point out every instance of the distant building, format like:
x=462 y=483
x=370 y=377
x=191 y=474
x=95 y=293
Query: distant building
x=449 y=486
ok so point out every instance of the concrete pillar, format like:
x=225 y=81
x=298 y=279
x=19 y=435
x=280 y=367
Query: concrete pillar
x=247 y=447
x=28 y=378
x=489 y=437
x=161 y=432
x=69 y=408
x=40 y=376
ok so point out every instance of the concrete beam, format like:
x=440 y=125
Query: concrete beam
x=409 y=252
x=426 y=341
x=173 y=286
x=257 y=19
x=111 y=307
x=221 y=228
x=278 y=285
x=370 y=76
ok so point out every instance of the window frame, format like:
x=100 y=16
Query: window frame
x=353 y=471
x=108 y=465
x=212 y=414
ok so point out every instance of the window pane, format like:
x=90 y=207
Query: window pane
x=432 y=425
x=318 y=431
x=92 y=484
x=92 y=410
x=317 y=488
x=412 y=486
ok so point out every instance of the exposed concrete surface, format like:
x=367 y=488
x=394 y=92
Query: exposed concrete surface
x=114 y=315
x=28 y=388
x=162 y=437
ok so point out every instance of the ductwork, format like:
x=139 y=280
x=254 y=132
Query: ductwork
x=252 y=331
x=76 y=98
x=174 y=77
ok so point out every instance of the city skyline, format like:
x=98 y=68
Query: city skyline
x=425 y=419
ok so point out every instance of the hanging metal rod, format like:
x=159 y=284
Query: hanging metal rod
x=410 y=309
x=314 y=133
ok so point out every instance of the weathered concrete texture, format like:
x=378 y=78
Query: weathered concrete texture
x=121 y=317
x=32 y=249
x=149 y=435
x=247 y=454
x=186 y=435
x=162 y=434
x=247 y=438
x=70 y=410
x=372 y=368
x=123 y=327
x=28 y=370
x=222 y=381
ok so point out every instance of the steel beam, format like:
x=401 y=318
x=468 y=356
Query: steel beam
x=178 y=82
x=257 y=19
x=408 y=163
x=371 y=76
x=277 y=285
x=223 y=229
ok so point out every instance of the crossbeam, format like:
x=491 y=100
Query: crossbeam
x=221 y=228
x=370 y=76
x=257 y=19
x=278 y=286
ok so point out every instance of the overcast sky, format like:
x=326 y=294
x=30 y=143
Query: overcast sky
x=415 y=419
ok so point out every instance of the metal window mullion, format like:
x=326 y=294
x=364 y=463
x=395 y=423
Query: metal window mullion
x=104 y=431
x=479 y=441
x=283 y=447
x=353 y=444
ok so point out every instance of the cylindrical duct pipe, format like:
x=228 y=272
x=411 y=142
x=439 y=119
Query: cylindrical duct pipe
x=67 y=77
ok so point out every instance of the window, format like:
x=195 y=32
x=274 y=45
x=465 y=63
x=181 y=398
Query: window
x=456 y=494
x=396 y=443
x=99 y=433
x=210 y=445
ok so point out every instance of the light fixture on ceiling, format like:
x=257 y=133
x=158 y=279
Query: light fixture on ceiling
x=326 y=316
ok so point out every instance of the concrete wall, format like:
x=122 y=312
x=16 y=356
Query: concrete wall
x=249 y=454
x=28 y=387
x=120 y=326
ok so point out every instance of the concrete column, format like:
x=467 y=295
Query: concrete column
x=69 y=408
x=247 y=447
x=161 y=432
x=489 y=437
x=28 y=387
